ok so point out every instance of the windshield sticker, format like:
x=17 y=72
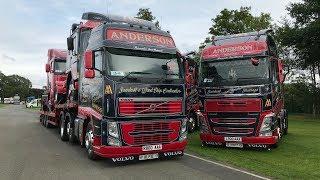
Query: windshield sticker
x=206 y=80
x=117 y=73
x=145 y=90
x=232 y=74
x=140 y=37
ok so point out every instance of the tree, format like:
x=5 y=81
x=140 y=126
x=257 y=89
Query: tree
x=303 y=35
x=146 y=14
x=2 y=83
x=234 y=22
x=238 y=21
x=15 y=84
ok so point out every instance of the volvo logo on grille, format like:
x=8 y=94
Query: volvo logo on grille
x=152 y=107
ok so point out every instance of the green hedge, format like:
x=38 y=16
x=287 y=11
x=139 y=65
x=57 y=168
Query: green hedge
x=302 y=98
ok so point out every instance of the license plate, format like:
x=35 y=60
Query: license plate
x=235 y=145
x=148 y=156
x=234 y=139
x=152 y=147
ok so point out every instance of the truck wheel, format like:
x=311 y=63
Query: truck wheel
x=70 y=128
x=43 y=120
x=47 y=124
x=285 y=132
x=192 y=124
x=63 y=128
x=89 y=142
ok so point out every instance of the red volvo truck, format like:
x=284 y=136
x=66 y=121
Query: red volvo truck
x=241 y=91
x=125 y=90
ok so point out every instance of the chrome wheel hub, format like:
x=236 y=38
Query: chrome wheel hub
x=68 y=128
x=89 y=140
x=61 y=129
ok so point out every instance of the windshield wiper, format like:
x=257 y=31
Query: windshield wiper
x=166 y=79
x=131 y=73
x=251 y=78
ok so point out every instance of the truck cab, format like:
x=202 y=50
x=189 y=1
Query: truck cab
x=56 y=76
x=125 y=75
x=241 y=91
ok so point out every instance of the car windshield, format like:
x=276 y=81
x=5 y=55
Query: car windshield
x=234 y=72
x=59 y=66
x=142 y=64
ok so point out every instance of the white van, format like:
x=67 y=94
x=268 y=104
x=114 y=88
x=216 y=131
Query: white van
x=34 y=103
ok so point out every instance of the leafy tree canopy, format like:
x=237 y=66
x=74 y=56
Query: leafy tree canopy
x=238 y=21
x=146 y=14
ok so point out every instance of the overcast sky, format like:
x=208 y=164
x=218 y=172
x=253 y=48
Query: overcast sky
x=30 y=27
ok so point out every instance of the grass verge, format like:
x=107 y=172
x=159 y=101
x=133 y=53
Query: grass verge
x=297 y=156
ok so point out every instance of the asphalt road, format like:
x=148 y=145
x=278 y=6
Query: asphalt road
x=30 y=151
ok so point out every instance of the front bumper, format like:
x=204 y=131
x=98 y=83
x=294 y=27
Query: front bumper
x=124 y=151
x=217 y=139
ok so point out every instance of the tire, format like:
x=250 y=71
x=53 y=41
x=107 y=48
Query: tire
x=285 y=132
x=41 y=118
x=46 y=122
x=69 y=119
x=89 y=142
x=63 y=128
x=192 y=124
x=204 y=144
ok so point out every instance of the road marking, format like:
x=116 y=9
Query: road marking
x=225 y=166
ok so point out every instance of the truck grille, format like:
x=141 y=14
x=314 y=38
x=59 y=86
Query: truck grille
x=142 y=107
x=136 y=133
x=233 y=124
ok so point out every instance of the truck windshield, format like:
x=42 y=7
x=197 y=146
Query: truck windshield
x=234 y=72
x=141 y=64
x=59 y=66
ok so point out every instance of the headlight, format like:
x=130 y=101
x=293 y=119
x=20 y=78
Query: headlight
x=266 y=126
x=183 y=131
x=184 y=125
x=113 y=129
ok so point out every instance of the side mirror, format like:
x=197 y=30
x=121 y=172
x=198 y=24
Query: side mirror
x=89 y=73
x=255 y=61
x=47 y=68
x=280 y=67
x=70 y=43
x=88 y=60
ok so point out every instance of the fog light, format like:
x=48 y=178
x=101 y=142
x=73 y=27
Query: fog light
x=266 y=134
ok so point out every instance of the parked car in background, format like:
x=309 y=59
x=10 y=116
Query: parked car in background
x=16 y=99
x=8 y=100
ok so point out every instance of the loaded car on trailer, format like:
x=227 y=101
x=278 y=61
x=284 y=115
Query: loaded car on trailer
x=125 y=90
x=241 y=89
